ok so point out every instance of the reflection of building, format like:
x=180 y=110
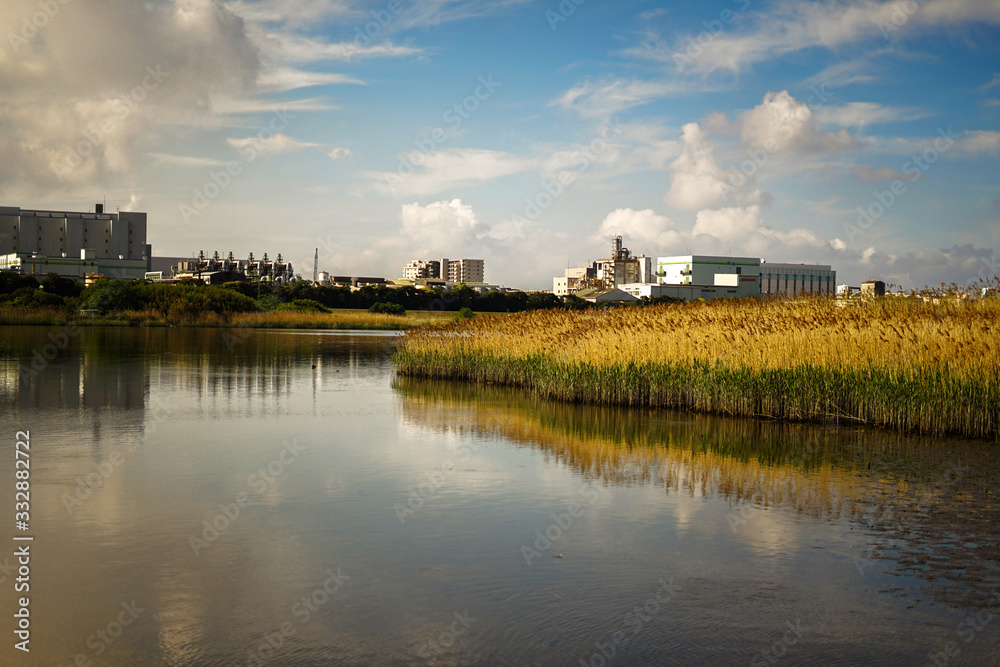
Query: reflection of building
x=74 y=244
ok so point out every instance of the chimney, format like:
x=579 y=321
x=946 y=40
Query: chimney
x=99 y=208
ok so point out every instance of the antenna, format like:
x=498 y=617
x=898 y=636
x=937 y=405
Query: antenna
x=316 y=266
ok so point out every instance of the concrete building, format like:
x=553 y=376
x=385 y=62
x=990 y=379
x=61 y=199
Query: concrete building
x=74 y=244
x=422 y=268
x=449 y=270
x=792 y=279
x=873 y=288
x=726 y=287
x=702 y=269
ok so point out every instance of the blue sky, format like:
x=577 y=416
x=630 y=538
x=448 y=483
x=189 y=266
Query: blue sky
x=865 y=135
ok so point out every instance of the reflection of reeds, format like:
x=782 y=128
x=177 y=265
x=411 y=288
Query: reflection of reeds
x=907 y=365
x=927 y=496
x=745 y=461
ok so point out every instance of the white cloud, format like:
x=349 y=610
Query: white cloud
x=274 y=144
x=185 y=160
x=860 y=114
x=980 y=141
x=697 y=181
x=440 y=227
x=423 y=174
x=866 y=174
x=297 y=48
x=654 y=232
x=742 y=228
x=780 y=122
x=605 y=99
x=788 y=26
x=280 y=79
x=339 y=153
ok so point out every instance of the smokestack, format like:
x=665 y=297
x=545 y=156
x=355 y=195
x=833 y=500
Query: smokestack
x=99 y=208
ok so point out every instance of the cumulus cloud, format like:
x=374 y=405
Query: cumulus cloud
x=441 y=227
x=123 y=70
x=780 y=122
x=697 y=181
x=654 y=232
x=743 y=227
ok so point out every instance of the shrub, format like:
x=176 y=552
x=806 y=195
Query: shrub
x=387 y=308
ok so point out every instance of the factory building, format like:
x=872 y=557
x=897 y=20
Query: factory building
x=791 y=279
x=74 y=244
x=620 y=268
x=215 y=270
x=449 y=270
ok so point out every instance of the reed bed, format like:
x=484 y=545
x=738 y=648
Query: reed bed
x=903 y=364
x=286 y=319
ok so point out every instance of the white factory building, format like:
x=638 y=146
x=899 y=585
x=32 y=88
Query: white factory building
x=691 y=277
x=74 y=244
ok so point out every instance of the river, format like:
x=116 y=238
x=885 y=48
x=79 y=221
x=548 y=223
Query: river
x=211 y=497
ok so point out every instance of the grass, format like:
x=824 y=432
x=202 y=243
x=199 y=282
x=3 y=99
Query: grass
x=284 y=319
x=903 y=364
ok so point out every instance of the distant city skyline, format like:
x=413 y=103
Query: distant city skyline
x=864 y=135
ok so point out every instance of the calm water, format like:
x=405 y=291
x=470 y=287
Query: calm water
x=363 y=519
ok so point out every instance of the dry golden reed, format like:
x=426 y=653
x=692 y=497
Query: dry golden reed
x=900 y=363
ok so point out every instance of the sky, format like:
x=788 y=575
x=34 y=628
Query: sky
x=527 y=133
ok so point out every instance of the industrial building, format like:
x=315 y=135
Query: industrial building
x=621 y=268
x=74 y=244
x=793 y=279
x=694 y=276
x=449 y=270
x=215 y=270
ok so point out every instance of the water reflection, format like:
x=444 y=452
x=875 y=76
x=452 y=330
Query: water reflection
x=927 y=504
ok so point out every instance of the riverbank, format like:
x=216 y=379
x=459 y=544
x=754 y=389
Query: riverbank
x=346 y=318
x=906 y=365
